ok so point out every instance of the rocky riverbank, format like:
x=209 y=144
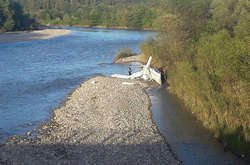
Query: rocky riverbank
x=104 y=121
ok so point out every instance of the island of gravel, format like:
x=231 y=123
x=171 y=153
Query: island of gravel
x=104 y=121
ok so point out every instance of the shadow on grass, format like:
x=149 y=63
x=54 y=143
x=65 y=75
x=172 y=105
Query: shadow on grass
x=235 y=141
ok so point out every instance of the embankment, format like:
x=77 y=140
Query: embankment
x=221 y=105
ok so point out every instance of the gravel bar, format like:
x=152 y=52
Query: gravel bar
x=104 y=121
x=20 y=36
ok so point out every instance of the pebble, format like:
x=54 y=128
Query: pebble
x=28 y=133
x=105 y=123
x=30 y=124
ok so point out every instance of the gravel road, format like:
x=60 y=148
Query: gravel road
x=104 y=121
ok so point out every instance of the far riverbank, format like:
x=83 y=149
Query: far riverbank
x=106 y=27
x=9 y=37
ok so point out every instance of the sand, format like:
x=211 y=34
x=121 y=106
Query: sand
x=10 y=37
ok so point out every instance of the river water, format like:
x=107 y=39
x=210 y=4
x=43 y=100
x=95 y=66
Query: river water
x=36 y=76
x=189 y=140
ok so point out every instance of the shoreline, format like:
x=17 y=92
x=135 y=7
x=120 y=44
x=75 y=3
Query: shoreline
x=97 y=123
x=134 y=58
x=106 y=27
x=20 y=36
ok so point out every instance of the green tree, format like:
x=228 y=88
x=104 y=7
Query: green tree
x=12 y=17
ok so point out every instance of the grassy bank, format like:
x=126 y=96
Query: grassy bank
x=206 y=58
x=217 y=94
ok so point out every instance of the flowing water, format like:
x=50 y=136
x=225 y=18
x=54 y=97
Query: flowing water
x=36 y=76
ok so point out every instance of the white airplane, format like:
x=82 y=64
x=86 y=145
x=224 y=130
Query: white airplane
x=146 y=73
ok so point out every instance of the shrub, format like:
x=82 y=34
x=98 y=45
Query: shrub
x=125 y=52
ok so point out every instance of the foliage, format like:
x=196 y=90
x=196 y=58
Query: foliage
x=125 y=52
x=12 y=17
x=204 y=48
x=137 y=14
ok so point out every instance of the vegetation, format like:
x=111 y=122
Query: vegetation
x=203 y=46
x=136 y=14
x=12 y=17
x=125 y=52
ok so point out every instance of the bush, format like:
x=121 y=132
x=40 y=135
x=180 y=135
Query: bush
x=214 y=86
x=125 y=52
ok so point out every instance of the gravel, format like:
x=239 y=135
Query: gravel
x=102 y=122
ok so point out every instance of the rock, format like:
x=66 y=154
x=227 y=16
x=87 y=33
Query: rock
x=93 y=82
x=28 y=133
x=30 y=124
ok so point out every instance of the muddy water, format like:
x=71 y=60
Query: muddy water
x=189 y=140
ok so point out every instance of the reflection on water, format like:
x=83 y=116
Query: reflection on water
x=192 y=143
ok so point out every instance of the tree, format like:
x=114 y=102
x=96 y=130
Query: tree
x=12 y=17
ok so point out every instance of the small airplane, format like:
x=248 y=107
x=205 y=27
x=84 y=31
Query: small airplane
x=146 y=73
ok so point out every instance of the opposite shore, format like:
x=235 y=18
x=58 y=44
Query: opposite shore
x=104 y=121
x=19 y=36
x=107 y=27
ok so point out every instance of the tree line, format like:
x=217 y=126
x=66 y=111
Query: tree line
x=136 y=14
x=13 y=17
x=26 y=14
x=204 y=47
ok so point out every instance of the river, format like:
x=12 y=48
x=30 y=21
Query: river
x=189 y=140
x=36 y=76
